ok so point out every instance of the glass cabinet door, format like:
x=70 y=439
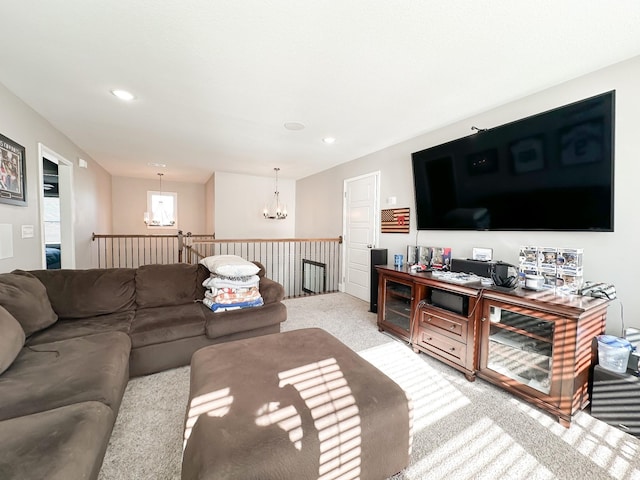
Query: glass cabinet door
x=397 y=307
x=520 y=347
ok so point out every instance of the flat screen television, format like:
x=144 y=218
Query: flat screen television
x=552 y=171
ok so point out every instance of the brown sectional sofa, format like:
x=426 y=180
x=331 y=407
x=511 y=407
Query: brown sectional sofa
x=86 y=332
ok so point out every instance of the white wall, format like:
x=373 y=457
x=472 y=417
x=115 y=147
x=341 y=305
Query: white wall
x=240 y=200
x=91 y=196
x=130 y=203
x=609 y=257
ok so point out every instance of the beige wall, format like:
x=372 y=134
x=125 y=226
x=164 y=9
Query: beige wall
x=130 y=203
x=209 y=204
x=228 y=204
x=609 y=257
x=240 y=200
x=319 y=202
x=92 y=187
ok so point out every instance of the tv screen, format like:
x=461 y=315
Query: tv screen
x=551 y=171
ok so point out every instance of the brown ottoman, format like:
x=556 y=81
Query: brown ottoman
x=295 y=405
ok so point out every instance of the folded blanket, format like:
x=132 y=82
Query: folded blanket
x=232 y=295
x=217 y=307
x=216 y=281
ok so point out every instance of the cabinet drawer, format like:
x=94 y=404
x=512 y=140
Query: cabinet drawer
x=450 y=326
x=442 y=345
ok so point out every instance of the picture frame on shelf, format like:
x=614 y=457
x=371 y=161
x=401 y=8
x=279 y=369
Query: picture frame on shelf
x=12 y=172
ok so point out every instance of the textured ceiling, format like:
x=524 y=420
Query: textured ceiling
x=216 y=80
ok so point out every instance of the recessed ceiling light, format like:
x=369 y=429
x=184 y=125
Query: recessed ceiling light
x=328 y=140
x=294 y=126
x=153 y=164
x=123 y=95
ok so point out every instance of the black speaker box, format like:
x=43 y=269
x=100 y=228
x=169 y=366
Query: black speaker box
x=378 y=257
x=453 y=302
x=477 y=267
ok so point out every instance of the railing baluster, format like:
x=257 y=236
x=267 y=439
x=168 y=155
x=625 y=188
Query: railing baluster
x=282 y=258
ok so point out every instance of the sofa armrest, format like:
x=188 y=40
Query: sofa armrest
x=262 y=270
x=270 y=290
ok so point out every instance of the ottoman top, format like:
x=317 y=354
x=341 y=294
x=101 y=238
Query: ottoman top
x=275 y=353
x=275 y=406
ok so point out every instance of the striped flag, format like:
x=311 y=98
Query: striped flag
x=394 y=220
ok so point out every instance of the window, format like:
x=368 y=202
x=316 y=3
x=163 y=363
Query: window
x=162 y=210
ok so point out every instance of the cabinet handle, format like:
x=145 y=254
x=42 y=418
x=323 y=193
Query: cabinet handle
x=429 y=338
x=428 y=319
x=452 y=349
x=484 y=319
x=452 y=327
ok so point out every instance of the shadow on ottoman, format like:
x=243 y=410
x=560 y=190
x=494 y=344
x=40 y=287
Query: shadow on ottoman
x=294 y=405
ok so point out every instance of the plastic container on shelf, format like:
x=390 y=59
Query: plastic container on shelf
x=613 y=353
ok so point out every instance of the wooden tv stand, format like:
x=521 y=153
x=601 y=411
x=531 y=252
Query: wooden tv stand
x=538 y=345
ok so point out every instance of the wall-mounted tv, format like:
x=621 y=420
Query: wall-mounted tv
x=550 y=171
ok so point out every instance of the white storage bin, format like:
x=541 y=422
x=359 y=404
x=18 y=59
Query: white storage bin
x=613 y=353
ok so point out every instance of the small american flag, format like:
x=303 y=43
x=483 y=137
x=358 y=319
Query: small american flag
x=394 y=220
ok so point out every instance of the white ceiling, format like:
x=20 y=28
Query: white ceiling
x=216 y=80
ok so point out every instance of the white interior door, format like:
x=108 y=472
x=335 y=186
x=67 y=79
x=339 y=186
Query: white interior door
x=361 y=219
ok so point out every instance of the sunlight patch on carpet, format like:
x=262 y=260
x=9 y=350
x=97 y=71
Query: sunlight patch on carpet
x=433 y=396
x=607 y=447
x=502 y=457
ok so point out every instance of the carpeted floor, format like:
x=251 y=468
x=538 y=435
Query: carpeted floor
x=462 y=430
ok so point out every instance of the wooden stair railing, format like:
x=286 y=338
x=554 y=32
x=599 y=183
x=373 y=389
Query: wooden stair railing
x=302 y=265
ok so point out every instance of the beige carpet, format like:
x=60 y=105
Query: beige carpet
x=462 y=430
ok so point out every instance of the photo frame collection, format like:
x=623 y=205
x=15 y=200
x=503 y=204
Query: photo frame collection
x=437 y=258
x=12 y=172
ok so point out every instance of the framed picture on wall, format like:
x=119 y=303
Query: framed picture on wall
x=527 y=155
x=12 y=173
x=582 y=143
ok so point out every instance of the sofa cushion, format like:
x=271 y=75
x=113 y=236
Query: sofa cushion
x=25 y=297
x=66 y=372
x=270 y=291
x=166 y=324
x=86 y=293
x=60 y=444
x=261 y=270
x=202 y=274
x=230 y=266
x=163 y=285
x=234 y=321
x=64 y=329
x=11 y=339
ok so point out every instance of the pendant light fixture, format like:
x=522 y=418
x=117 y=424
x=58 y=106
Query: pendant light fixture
x=275 y=210
x=158 y=217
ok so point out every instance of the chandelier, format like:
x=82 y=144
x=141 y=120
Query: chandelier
x=275 y=210
x=159 y=216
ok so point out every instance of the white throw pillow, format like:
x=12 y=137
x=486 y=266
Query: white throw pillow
x=230 y=266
